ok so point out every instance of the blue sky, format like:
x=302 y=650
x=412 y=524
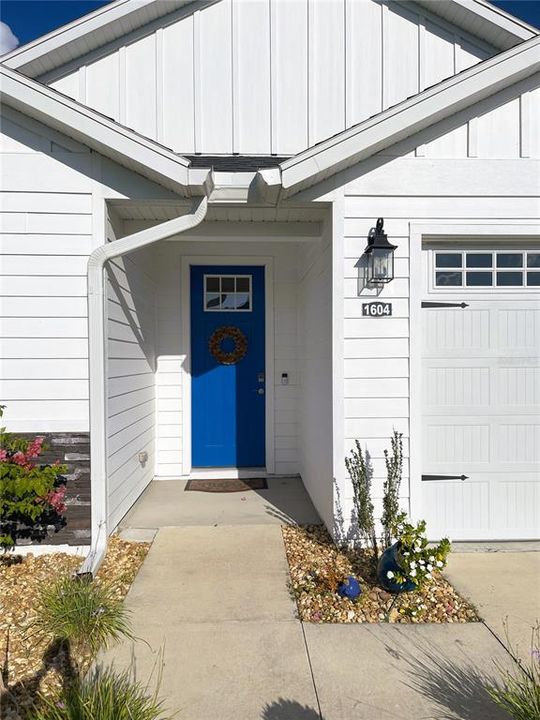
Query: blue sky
x=28 y=19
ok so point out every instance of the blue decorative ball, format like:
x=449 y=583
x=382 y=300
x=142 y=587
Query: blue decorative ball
x=349 y=588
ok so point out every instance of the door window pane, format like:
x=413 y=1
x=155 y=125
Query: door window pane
x=509 y=278
x=477 y=279
x=227 y=293
x=509 y=260
x=533 y=260
x=533 y=279
x=479 y=260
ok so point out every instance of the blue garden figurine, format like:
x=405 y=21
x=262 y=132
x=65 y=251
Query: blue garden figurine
x=349 y=588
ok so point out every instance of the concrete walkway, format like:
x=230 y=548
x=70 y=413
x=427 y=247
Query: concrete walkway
x=505 y=588
x=211 y=606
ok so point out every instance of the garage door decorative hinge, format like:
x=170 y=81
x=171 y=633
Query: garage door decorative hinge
x=434 y=478
x=429 y=304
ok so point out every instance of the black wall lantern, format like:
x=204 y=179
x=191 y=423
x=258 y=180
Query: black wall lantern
x=380 y=255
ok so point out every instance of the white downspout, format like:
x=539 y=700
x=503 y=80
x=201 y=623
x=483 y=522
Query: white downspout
x=97 y=366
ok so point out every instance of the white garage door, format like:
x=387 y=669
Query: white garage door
x=481 y=393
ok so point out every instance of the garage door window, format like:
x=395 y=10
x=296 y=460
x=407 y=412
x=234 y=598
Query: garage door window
x=477 y=269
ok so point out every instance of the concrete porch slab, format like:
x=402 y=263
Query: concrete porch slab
x=164 y=503
x=505 y=588
x=385 y=672
x=211 y=574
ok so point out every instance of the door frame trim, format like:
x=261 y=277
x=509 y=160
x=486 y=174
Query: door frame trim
x=268 y=263
x=419 y=233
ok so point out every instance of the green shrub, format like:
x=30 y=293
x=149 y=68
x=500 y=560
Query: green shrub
x=103 y=695
x=32 y=496
x=394 y=470
x=84 y=614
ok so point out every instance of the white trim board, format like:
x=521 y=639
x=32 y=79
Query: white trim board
x=400 y=121
x=438 y=231
x=185 y=278
x=102 y=134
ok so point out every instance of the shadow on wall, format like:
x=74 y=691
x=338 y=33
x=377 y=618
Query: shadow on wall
x=283 y=709
x=346 y=533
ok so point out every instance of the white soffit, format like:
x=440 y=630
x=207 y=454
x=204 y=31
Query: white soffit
x=403 y=120
x=482 y=19
x=102 y=134
x=87 y=33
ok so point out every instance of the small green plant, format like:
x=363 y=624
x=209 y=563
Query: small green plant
x=361 y=480
x=519 y=693
x=32 y=496
x=394 y=471
x=86 y=615
x=104 y=694
x=416 y=559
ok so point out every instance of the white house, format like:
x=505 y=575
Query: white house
x=187 y=192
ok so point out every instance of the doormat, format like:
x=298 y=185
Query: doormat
x=226 y=486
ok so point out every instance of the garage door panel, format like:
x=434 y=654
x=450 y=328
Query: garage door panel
x=448 y=445
x=456 y=508
x=518 y=328
x=481 y=405
x=518 y=386
x=456 y=330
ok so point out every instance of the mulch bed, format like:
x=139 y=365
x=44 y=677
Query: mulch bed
x=317 y=566
x=28 y=664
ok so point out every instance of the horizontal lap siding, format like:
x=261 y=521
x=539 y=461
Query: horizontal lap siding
x=45 y=241
x=171 y=354
x=131 y=405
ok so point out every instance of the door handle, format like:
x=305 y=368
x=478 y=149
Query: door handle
x=434 y=478
x=259 y=391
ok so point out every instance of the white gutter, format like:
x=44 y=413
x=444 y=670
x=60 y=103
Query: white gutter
x=97 y=365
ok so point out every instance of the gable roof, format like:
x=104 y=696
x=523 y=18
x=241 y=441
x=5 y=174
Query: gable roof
x=121 y=17
x=400 y=121
x=125 y=146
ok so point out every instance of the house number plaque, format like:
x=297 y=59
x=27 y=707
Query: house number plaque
x=377 y=309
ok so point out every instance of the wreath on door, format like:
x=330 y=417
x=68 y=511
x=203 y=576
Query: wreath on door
x=228 y=332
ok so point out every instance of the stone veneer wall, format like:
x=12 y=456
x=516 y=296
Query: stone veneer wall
x=73 y=450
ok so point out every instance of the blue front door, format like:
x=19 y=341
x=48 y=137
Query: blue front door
x=228 y=381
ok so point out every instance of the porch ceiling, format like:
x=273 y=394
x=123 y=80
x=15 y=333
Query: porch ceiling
x=166 y=210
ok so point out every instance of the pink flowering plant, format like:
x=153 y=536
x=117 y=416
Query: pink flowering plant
x=417 y=559
x=32 y=495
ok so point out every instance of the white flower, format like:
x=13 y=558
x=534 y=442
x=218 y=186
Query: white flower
x=406 y=554
x=390 y=574
x=431 y=558
x=417 y=547
x=413 y=612
x=413 y=564
x=413 y=573
x=430 y=567
x=439 y=563
x=428 y=575
x=422 y=562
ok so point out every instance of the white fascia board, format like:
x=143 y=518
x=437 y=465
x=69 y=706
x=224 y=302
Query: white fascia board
x=102 y=134
x=409 y=117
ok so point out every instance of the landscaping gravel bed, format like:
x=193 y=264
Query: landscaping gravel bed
x=28 y=662
x=317 y=566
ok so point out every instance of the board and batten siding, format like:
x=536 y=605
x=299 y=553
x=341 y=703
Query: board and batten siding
x=496 y=185
x=284 y=75
x=171 y=355
x=45 y=239
x=131 y=406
